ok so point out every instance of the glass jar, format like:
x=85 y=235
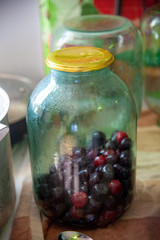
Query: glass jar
x=81 y=123
x=116 y=34
x=150 y=27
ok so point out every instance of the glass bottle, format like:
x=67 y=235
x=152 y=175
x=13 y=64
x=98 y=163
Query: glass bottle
x=81 y=123
x=116 y=34
x=150 y=27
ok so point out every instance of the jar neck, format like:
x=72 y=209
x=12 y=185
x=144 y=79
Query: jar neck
x=75 y=77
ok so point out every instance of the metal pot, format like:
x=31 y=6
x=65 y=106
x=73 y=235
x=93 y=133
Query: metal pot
x=7 y=186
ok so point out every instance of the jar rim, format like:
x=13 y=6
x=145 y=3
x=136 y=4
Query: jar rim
x=79 y=59
x=98 y=23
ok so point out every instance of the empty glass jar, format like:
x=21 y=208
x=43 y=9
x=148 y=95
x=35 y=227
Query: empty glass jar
x=81 y=123
x=113 y=33
x=150 y=27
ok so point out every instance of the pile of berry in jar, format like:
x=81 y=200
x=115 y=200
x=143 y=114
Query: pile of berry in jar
x=92 y=186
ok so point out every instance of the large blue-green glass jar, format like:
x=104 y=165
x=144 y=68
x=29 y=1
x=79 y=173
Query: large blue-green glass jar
x=116 y=34
x=150 y=28
x=81 y=124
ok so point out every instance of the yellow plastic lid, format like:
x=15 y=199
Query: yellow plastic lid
x=79 y=59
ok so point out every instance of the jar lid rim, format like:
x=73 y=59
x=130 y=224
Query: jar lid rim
x=79 y=59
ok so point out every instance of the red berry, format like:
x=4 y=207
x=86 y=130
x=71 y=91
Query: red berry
x=109 y=215
x=76 y=213
x=79 y=199
x=120 y=135
x=99 y=160
x=115 y=187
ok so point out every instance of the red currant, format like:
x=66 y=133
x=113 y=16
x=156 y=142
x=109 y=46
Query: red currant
x=99 y=160
x=79 y=199
x=115 y=187
x=120 y=135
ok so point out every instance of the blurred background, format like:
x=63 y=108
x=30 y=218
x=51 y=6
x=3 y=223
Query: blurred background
x=26 y=28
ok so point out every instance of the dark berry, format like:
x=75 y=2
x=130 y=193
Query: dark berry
x=43 y=191
x=125 y=144
x=109 y=215
x=57 y=194
x=100 y=220
x=90 y=168
x=121 y=172
x=100 y=152
x=125 y=158
x=98 y=139
x=78 y=152
x=99 y=160
x=94 y=178
x=120 y=135
x=93 y=205
x=54 y=180
x=58 y=209
x=76 y=213
x=110 y=202
x=79 y=199
x=68 y=198
x=115 y=187
x=111 y=145
x=108 y=152
x=111 y=158
x=100 y=190
x=43 y=179
x=84 y=187
x=91 y=154
x=108 y=172
x=114 y=140
x=83 y=175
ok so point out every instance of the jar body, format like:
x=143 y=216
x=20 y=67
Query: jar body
x=70 y=118
x=150 y=27
x=116 y=34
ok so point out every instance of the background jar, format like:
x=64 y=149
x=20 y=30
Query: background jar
x=150 y=28
x=116 y=34
x=7 y=185
x=81 y=123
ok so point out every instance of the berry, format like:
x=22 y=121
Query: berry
x=94 y=178
x=120 y=135
x=125 y=144
x=110 y=202
x=98 y=139
x=57 y=194
x=125 y=159
x=91 y=154
x=83 y=175
x=108 y=152
x=84 y=187
x=110 y=145
x=121 y=172
x=108 y=172
x=79 y=199
x=76 y=213
x=115 y=187
x=99 y=160
x=100 y=190
x=93 y=205
x=43 y=191
x=110 y=215
x=78 y=152
x=111 y=158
